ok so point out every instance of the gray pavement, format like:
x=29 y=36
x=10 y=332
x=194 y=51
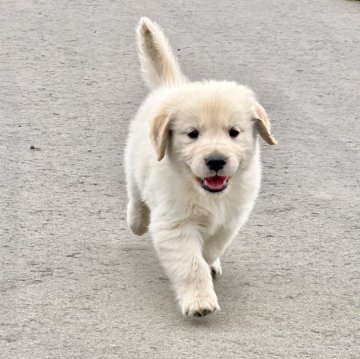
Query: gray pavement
x=74 y=283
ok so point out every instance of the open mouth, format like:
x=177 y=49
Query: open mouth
x=215 y=183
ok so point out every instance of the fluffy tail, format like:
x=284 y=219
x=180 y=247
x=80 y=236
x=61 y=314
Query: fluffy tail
x=158 y=63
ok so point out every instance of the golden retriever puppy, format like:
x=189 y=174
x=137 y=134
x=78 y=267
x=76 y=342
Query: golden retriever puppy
x=193 y=168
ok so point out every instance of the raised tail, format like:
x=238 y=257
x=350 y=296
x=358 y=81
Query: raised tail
x=158 y=62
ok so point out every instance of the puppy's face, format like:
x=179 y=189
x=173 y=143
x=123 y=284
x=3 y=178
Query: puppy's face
x=209 y=130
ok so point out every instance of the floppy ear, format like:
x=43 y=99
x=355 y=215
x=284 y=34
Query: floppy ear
x=263 y=124
x=160 y=133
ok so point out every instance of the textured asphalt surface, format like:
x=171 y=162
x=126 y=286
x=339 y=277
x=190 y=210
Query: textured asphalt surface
x=74 y=283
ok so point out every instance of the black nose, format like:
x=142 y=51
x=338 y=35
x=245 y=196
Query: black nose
x=215 y=162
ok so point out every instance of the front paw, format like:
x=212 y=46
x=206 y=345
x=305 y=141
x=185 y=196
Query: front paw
x=200 y=306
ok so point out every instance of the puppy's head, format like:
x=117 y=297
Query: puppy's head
x=209 y=131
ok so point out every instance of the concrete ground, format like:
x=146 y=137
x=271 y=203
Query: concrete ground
x=74 y=283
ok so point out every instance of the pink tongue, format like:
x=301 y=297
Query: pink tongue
x=216 y=182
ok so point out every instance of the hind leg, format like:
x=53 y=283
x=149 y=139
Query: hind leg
x=138 y=216
x=138 y=213
x=215 y=268
x=215 y=246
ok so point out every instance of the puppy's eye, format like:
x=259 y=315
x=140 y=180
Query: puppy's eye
x=193 y=134
x=234 y=132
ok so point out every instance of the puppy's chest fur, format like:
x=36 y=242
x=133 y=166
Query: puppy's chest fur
x=212 y=216
x=177 y=204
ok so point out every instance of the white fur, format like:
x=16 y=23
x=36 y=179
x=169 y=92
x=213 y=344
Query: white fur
x=190 y=226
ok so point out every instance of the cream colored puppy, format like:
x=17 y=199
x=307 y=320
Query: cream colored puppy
x=193 y=168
